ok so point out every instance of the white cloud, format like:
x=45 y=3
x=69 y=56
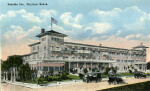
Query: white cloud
x=17 y=33
x=31 y=18
x=101 y=27
x=71 y=21
x=133 y=36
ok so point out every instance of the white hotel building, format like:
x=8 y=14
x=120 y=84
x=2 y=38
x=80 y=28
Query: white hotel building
x=53 y=53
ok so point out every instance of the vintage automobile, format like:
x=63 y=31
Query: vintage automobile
x=94 y=76
x=115 y=79
x=139 y=74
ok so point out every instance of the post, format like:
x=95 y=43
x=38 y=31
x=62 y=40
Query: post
x=11 y=76
x=51 y=23
x=69 y=67
x=14 y=78
x=6 y=75
x=59 y=66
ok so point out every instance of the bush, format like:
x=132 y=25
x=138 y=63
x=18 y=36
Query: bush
x=81 y=75
x=107 y=70
x=114 y=69
x=85 y=70
x=130 y=70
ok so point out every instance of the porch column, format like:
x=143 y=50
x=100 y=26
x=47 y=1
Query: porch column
x=59 y=66
x=48 y=65
x=69 y=67
x=11 y=76
x=77 y=67
x=54 y=67
x=4 y=75
x=91 y=66
x=7 y=75
x=85 y=64
x=14 y=79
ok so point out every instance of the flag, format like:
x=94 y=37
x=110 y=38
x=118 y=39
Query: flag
x=53 y=20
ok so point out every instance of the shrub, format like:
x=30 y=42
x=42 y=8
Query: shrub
x=130 y=70
x=85 y=70
x=114 y=69
x=107 y=70
x=81 y=75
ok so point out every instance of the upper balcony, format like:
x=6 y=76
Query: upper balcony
x=84 y=51
x=79 y=60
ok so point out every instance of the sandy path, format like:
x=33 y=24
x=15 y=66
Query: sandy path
x=72 y=87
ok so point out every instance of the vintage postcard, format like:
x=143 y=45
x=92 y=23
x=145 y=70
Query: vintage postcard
x=75 y=45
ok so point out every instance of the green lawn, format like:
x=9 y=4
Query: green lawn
x=121 y=74
x=73 y=77
x=144 y=86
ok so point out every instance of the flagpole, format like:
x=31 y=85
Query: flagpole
x=51 y=23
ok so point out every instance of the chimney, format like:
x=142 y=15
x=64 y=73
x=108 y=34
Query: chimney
x=42 y=30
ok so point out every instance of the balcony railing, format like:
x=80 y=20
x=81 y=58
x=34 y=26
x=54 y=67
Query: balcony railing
x=83 y=51
x=78 y=60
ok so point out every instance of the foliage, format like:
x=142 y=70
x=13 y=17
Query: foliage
x=25 y=72
x=107 y=70
x=114 y=69
x=85 y=70
x=12 y=61
x=93 y=70
x=130 y=70
x=103 y=67
x=58 y=77
x=81 y=75
x=148 y=65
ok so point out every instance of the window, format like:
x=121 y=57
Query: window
x=65 y=49
x=33 y=48
x=38 y=47
x=83 y=48
x=43 y=39
x=44 y=47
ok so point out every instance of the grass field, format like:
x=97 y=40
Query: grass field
x=144 y=86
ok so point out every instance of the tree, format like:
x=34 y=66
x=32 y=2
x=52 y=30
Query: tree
x=25 y=72
x=12 y=61
x=148 y=65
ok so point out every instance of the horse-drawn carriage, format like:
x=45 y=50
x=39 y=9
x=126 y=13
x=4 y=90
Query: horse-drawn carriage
x=94 y=76
x=115 y=79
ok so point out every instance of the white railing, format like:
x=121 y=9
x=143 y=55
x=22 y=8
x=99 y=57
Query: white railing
x=83 y=51
x=76 y=59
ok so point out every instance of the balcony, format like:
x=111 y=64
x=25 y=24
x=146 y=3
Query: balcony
x=83 y=51
x=80 y=60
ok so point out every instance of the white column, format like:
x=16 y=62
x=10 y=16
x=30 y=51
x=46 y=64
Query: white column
x=69 y=67
x=11 y=76
x=59 y=66
x=14 y=79
x=6 y=75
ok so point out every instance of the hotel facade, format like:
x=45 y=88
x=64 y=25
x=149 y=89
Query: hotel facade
x=53 y=53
